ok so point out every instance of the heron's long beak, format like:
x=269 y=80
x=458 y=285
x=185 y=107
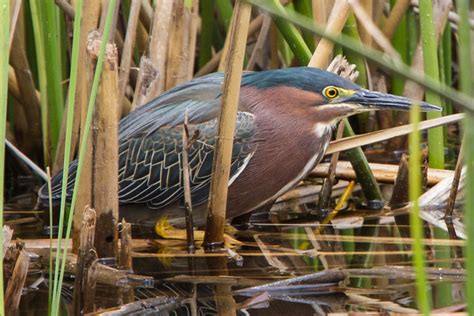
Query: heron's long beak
x=383 y=101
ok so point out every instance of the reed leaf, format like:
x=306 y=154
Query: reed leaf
x=416 y=225
x=466 y=84
x=4 y=55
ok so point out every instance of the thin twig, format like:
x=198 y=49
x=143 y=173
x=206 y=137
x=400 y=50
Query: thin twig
x=188 y=203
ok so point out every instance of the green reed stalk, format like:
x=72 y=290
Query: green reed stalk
x=224 y=7
x=447 y=64
x=416 y=224
x=4 y=54
x=400 y=42
x=67 y=153
x=50 y=276
x=39 y=41
x=85 y=136
x=206 y=9
x=430 y=61
x=466 y=80
x=49 y=13
x=351 y=30
x=304 y=7
x=293 y=37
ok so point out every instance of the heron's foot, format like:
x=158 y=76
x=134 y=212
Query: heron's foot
x=165 y=230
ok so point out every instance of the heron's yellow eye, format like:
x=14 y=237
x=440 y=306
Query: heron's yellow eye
x=331 y=92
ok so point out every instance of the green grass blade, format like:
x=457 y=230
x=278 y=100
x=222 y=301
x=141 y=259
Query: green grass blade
x=4 y=55
x=416 y=225
x=67 y=150
x=466 y=83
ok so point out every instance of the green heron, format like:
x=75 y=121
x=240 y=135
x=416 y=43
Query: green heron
x=283 y=128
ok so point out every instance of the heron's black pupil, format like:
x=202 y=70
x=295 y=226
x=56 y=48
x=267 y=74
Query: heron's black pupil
x=331 y=93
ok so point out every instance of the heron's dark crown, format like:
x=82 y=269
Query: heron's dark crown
x=304 y=78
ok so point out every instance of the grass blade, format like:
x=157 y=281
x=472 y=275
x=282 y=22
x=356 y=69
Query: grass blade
x=416 y=225
x=4 y=53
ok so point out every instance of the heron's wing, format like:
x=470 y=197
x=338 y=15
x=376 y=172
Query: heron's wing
x=150 y=145
x=199 y=98
x=151 y=167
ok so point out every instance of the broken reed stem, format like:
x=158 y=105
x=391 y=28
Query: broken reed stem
x=188 y=203
x=337 y=19
x=230 y=98
x=15 y=284
x=84 y=287
x=326 y=190
x=104 y=182
x=125 y=258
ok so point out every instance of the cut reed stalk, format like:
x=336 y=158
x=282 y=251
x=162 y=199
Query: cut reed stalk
x=104 y=182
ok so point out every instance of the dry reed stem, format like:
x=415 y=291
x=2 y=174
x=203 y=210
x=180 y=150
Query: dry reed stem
x=337 y=19
x=372 y=30
x=146 y=80
x=224 y=142
x=159 y=43
x=396 y=14
x=125 y=258
x=177 y=58
x=84 y=193
x=15 y=284
x=193 y=29
x=454 y=192
x=321 y=10
x=14 y=18
x=128 y=48
x=30 y=103
x=188 y=202
x=260 y=43
x=66 y=7
x=146 y=13
x=104 y=182
x=365 y=35
x=384 y=173
x=13 y=86
x=212 y=64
